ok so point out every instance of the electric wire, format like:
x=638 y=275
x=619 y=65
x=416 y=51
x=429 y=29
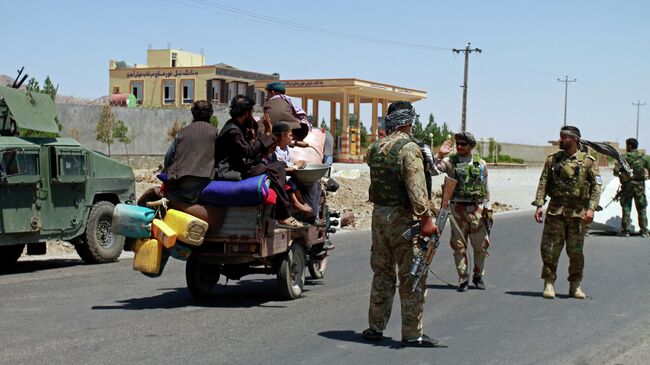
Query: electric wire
x=220 y=8
x=485 y=58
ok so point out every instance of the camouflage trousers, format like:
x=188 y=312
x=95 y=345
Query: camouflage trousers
x=472 y=230
x=559 y=230
x=389 y=250
x=636 y=192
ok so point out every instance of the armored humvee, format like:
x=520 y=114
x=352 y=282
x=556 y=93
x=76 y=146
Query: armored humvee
x=54 y=188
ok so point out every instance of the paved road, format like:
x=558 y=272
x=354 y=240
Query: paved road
x=60 y=311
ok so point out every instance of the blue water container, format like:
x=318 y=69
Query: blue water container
x=132 y=221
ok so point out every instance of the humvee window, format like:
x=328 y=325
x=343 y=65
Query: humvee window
x=72 y=165
x=18 y=162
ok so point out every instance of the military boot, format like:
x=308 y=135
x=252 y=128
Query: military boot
x=644 y=234
x=575 y=291
x=624 y=233
x=549 y=290
x=478 y=282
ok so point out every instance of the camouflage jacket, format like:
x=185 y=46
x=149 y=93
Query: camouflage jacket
x=639 y=162
x=572 y=182
x=410 y=167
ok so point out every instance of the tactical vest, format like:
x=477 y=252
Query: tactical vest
x=636 y=160
x=569 y=178
x=471 y=179
x=386 y=184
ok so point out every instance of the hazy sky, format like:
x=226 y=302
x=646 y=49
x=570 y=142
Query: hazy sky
x=514 y=94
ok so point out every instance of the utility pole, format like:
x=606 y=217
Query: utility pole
x=466 y=51
x=566 y=82
x=638 y=106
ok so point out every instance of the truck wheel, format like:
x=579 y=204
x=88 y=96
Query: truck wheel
x=10 y=254
x=317 y=266
x=291 y=276
x=98 y=244
x=201 y=277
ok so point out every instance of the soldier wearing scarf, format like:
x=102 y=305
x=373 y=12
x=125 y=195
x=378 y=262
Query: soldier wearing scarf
x=572 y=180
x=398 y=192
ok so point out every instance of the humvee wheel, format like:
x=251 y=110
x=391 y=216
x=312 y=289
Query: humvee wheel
x=98 y=244
x=317 y=266
x=291 y=276
x=201 y=277
x=10 y=254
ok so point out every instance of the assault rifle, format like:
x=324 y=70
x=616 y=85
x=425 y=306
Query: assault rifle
x=616 y=197
x=429 y=245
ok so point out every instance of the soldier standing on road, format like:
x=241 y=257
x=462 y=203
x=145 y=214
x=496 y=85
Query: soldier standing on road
x=398 y=191
x=572 y=180
x=470 y=207
x=633 y=187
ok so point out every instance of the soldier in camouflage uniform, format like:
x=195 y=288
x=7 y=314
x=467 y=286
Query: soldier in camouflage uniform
x=633 y=187
x=470 y=207
x=398 y=191
x=572 y=180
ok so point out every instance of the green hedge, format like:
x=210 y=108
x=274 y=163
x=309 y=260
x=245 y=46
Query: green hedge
x=504 y=158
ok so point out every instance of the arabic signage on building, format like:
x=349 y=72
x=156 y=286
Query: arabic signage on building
x=165 y=73
x=305 y=83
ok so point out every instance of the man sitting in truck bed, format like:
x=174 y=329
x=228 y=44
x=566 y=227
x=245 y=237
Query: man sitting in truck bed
x=189 y=161
x=239 y=150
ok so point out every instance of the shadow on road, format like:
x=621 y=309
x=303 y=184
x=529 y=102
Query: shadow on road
x=23 y=267
x=537 y=294
x=352 y=336
x=442 y=286
x=604 y=233
x=241 y=294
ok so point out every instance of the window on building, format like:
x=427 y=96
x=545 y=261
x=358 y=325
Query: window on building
x=116 y=89
x=232 y=90
x=259 y=97
x=216 y=91
x=241 y=88
x=137 y=89
x=174 y=59
x=169 y=94
x=188 y=91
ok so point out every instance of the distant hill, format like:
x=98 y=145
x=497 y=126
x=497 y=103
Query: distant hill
x=64 y=99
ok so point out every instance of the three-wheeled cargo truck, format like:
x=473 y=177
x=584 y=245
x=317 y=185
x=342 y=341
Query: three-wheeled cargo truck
x=243 y=240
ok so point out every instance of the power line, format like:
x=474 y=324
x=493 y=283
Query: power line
x=227 y=10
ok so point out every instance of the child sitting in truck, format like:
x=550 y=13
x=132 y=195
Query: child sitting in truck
x=283 y=135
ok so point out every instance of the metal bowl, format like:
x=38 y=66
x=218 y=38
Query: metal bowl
x=311 y=173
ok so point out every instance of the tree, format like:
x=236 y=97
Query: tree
x=73 y=133
x=173 y=130
x=49 y=88
x=105 y=127
x=418 y=132
x=214 y=120
x=364 y=136
x=33 y=86
x=120 y=131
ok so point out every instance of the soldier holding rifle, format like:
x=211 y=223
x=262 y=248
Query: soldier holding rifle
x=398 y=191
